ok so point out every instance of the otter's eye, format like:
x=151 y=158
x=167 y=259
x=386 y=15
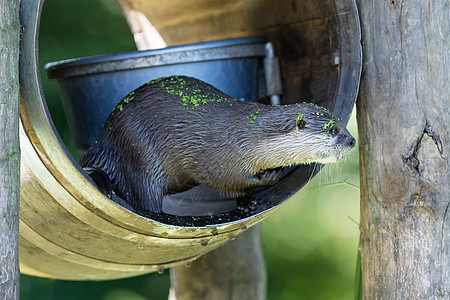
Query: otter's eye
x=334 y=131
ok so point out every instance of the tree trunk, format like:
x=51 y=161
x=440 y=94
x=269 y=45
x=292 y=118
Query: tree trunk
x=236 y=270
x=9 y=149
x=403 y=123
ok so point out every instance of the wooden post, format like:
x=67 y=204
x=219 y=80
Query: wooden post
x=236 y=270
x=403 y=120
x=9 y=149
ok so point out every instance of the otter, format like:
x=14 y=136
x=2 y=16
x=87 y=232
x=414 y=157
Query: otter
x=176 y=132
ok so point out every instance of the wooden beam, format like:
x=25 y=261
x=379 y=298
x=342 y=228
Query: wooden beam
x=236 y=270
x=403 y=121
x=9 y=149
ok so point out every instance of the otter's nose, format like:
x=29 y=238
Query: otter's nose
x=351 y=142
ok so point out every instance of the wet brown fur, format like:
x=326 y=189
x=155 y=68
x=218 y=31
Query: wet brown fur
x=176 y=132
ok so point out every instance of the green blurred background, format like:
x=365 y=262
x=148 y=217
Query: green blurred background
x=310 y=244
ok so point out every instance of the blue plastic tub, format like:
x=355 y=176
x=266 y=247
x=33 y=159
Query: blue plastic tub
x=91 y=87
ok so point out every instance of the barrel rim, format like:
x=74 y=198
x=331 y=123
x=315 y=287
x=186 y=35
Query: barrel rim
x=254 y=46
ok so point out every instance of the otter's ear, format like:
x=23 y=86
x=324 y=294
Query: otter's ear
x=288 y=125
x=300 y=123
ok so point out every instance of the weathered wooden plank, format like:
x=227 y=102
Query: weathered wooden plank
x=403 y=121
x=9 y=150
x=236 y=270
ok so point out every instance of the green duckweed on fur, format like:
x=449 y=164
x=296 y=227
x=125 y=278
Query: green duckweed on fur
x=190 y=97
x=253 y=116
x=127 y=99
x=327 y=127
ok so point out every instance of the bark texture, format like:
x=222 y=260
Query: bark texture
x=403 y=122
x=9 y=149
x=236 y=270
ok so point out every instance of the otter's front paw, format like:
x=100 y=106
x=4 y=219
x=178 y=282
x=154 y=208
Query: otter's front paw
x=268 y=177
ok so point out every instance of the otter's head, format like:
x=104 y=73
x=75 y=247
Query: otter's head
x=304 y=133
